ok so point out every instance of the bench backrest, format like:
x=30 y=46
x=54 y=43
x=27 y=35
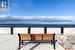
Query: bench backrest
x=29 y=37
x=24 y=37
x=36 y=36
x=47 y=36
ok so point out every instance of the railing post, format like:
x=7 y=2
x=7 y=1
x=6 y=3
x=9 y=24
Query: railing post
x=62 y=29
x=45 y=30
x=29 y=30
x=11 y=30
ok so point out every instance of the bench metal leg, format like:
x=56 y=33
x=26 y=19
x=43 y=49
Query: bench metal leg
x=53 y=43
x=19 y=45
x=22 y=42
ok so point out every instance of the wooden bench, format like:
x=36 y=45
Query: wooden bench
x=36 y=37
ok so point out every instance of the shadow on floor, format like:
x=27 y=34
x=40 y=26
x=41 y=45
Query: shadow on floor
x=34 y=46
x=24 y=44
x=28 y=43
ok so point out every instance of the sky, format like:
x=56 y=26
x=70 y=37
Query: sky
x=57 y=11
x=41 y=7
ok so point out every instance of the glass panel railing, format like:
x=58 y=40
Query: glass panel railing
x=4 y=30
x=37 y=30
x=20 y=30
x=54 y=30
x=69 y=30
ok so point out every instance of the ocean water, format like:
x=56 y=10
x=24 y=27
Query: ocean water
x=37 y=25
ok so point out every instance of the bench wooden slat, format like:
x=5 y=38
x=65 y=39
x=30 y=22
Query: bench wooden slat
x=47 y=36
x=36 y=36
x=25 y=37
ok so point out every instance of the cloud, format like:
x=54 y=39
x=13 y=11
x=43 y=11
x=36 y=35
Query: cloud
x=2 y=16
x=38 y=19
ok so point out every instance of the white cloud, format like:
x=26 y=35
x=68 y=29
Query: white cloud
x=2 y=16
x=38 y=19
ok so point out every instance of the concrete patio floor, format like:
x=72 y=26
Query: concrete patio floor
x=41 y=46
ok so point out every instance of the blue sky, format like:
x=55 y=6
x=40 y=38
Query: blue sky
x=43 y=11
x=42 y=7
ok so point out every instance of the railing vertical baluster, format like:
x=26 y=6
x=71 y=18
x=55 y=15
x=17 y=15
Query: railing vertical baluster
x=11 y=30
x=29 y=30
x=62 y=29
x=45 y=30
